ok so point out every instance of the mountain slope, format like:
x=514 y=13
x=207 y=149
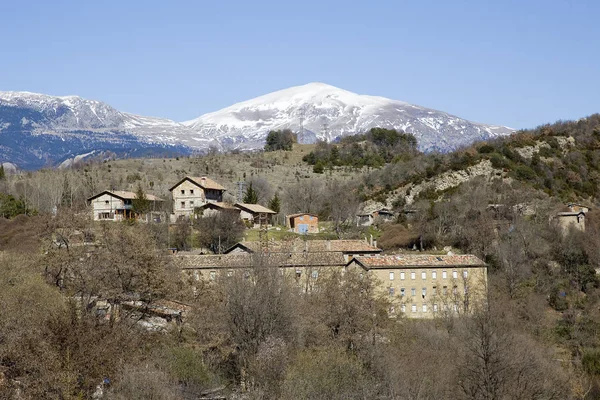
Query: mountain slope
x=38 y=130
x=326 y=112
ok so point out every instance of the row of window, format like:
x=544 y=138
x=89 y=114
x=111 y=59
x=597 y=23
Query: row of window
x=191 y=204
x=425 y=308
x=413 y=275
x=212 y=275
x=413 y=291
x=191 y=191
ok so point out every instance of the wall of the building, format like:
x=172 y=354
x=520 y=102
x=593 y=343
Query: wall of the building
x=104 y=208
x=435 y=293
x=566 y=221
x=311 y=221
x=190 y=200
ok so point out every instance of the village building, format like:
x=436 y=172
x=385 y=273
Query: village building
x=348 y=248
x=191 y=193
x=368 y=219
x=117 y=205
x=572 y=216
x=251 y=213
x=302 y=223
x=425 y=285
x=305 y=268
x=210 y=209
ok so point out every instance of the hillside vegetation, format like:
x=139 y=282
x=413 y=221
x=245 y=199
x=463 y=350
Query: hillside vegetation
x=260 y=338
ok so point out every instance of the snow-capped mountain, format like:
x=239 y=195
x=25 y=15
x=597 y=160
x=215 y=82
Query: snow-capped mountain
x=321 y=111
x=37 y=130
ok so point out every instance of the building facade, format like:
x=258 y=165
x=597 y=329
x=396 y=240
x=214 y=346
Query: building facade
x=427 y=286
x=303 y=223
x=191 y=193
x=117 y=205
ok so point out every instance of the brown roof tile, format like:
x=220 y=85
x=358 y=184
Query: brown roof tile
x=418 y=260
x=249 y=260
x=314 y=246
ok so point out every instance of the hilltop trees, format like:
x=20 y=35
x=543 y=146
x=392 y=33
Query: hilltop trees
x=280 y=140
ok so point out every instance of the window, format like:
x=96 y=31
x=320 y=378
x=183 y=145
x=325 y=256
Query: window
x=465 y=274
x=182 y=191
x=106 y=202
x=402 y=292
x=445 y=290
x=212 y=275
x=424 y=275
x=196 y=275
x=392 y=310
x=403 y=308
x=434 y=290
x=230 y=273
x=315 y=274
x=391 y=276
x=454 y=274
x=392 y=291
x=192 y=203
x=413 y=308
x=424 y=308
x=413 y=275
x=191 y=191
x=454 y=290
x=298 y=272
x=183 y=204
x=246 y=274
x=402 y=276
x=433 y=275
x=413 y=292
x=455 y=307
x=435 y=308
x=444 y=275
x=424 y=292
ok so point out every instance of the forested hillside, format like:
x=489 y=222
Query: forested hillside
x=262 y=338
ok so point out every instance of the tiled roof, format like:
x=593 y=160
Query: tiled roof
x=300 y=214
x=418 y=260
x=122 y=194
x=206 y=183
x=249 y=260
x=314 y=246
x=254 y=208
x=203 y=182
x=225 y=206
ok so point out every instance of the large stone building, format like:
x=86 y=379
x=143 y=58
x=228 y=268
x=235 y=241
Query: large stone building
x=117 y=205
x=191 y=193
x=425 y=286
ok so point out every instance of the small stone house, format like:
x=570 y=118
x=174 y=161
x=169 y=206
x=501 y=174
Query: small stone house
x=193 y=192
x=367 y=219
x=250 y=213
x=426 y=285
x=303 y=223
x=117 y=205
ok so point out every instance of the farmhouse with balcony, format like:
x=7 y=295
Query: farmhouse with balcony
x=425 y=285
x=117 y=205
x=193 y=192
x=251 y=213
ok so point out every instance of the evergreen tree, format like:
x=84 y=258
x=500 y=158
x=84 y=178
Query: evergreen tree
x=141 y=204
x=251 y=196
x=275 y=203
x=2 y=173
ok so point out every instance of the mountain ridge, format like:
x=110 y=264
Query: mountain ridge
x=39 y=130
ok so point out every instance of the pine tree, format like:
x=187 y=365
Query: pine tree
x=250 y=197
x=275 y=204
x=141 y=204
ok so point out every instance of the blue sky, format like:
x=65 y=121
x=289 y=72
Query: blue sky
x=516 y=63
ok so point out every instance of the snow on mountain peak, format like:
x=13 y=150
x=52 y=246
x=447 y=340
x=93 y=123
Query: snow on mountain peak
x=321 y=111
